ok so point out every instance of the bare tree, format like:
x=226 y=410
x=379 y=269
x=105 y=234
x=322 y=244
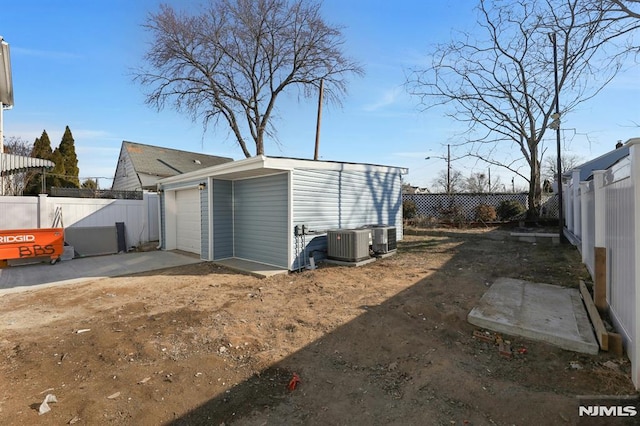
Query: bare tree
x=626 y=8
x=455 y=181
x=499 y=82
x=480 y=182
x=550 y=165
x=231 y=61
x=15 y=183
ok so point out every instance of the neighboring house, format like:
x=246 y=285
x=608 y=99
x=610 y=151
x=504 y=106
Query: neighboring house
x=141 y=166
x=585 y=170
x=410 y=190
x=248 y=209
x=584 y=173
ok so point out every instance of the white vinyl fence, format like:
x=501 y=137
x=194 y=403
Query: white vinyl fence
x=139 y=216
x=609 y=217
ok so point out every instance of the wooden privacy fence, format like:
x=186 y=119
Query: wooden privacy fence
x=438 y=205
x=139 y=216
x=603 y=220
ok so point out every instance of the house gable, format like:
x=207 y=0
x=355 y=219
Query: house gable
x=125 y=178
x=140 y=166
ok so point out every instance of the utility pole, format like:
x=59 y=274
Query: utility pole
x=315 y=154
x=556 y=125
x=449 y=169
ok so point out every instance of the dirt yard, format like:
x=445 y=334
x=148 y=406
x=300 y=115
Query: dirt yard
x=387 y=343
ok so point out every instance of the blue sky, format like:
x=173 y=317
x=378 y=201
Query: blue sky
x=72 y=61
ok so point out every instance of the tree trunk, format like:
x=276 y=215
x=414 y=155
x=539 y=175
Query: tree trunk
x=535 y=191
x=259 y=146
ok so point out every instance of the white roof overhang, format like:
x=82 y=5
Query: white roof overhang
x=11 y=163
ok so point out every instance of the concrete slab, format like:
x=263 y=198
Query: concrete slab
x=536 y=237
x=385 y=255
x=536 y=311
x=354 y=264
x=27 y=277
x=256 y=269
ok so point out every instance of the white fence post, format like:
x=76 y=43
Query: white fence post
x=43 y=211
x=568 y=206
x=584 y=222
x=145 y=214
x=577 y=227
x=600 y=210
x=634 y=353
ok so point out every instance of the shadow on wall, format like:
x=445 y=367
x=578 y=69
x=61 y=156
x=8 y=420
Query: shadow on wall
x=316 y=247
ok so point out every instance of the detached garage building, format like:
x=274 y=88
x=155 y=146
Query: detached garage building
x=248 y=209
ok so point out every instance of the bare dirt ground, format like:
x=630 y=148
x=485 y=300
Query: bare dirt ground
x=387 y=343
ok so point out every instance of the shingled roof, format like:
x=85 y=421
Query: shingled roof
x=165 y=162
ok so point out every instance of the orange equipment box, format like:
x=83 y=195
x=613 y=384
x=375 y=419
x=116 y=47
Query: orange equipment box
x=28 y=243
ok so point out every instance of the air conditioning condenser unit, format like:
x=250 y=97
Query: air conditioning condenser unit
x=384 y=239
x=349 y=245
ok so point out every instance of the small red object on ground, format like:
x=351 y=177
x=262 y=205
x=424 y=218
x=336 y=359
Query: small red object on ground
x=294 y=382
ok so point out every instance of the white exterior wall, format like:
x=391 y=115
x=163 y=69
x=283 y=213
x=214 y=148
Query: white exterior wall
x=333 y=199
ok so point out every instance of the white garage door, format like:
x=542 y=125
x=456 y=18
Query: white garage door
x=188 y=220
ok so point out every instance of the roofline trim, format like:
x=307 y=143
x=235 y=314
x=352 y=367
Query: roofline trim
x=277 y=163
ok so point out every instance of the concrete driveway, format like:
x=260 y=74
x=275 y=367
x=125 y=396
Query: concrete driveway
x=28 y=277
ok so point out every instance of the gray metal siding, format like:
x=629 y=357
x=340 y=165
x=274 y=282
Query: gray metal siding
x=261 y=219
x=330 y=199
x=204 y=224
x=163 y=223
x=152 y=199
x=222 y=219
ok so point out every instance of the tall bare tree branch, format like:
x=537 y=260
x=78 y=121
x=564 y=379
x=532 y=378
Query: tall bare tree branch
x=499 y=81
x=231 y=61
